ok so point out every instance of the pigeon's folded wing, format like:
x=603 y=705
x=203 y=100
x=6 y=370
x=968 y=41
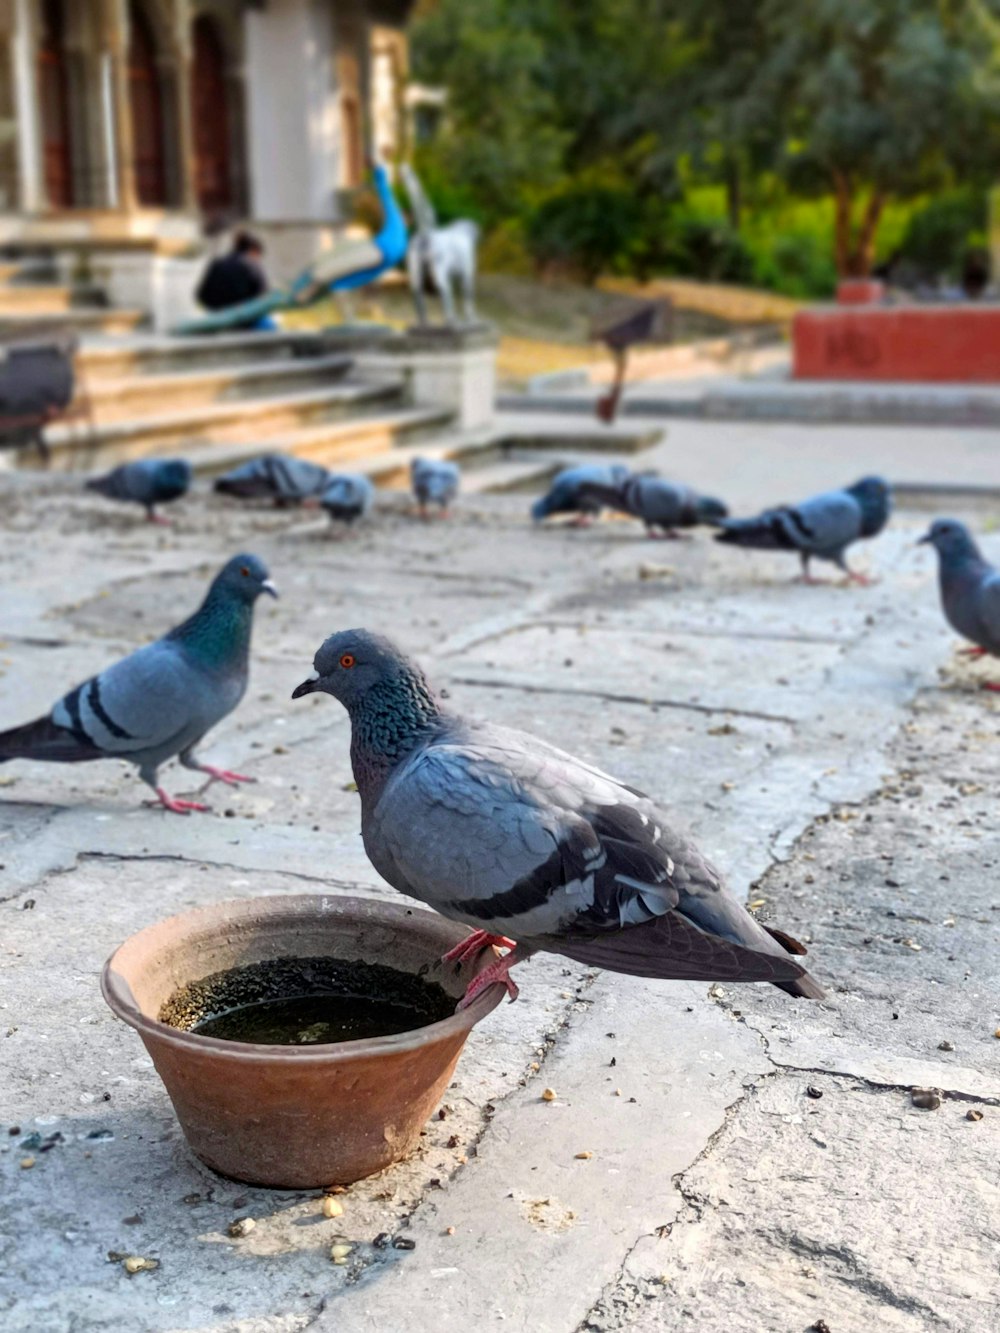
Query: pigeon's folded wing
x=140 y=703
x=825 y=523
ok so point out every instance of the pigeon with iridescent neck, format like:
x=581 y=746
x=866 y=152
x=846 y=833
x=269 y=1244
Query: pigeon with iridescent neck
x=522 y=841
x=161 y=700
x=970 y=589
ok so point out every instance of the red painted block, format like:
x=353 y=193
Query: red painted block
x=860 y=291
x=945 y=344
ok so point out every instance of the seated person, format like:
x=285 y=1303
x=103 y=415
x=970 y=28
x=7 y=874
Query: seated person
x=236 y=277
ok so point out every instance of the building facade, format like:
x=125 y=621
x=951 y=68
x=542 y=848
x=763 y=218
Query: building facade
x=155 y=118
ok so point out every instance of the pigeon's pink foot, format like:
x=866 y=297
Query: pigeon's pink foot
x=810 y=580
x=972 y=652
x=473 y=945
x=668 y=535
x=497 y=974
x=581 y=521
x=158 y=519
x=862 y=580
x=990 y=685
x=177 y=806
x=224 y=775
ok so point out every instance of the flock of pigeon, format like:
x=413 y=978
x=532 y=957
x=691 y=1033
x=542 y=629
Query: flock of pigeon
x=531 y=847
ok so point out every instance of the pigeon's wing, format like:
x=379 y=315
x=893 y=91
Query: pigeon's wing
x=988 y=610
x=659 y=502
x=142 y=703
x=826 y=523
x=522 y=839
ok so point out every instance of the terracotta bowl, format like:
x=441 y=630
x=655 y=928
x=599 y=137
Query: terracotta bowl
x=296 y=1116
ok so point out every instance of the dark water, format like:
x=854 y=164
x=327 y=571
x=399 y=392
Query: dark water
x=305 y=1002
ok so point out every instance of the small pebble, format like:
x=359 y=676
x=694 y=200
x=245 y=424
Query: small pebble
x=584 y=1156
x=814 y=1093
x=945 y=1046
x=240 y=1226
x=449 y=1231
x=340 y=1251
x=973 y=1114
x=332 y=1207
x=549 y=1095
x=927 y=1099
x=27 y=1163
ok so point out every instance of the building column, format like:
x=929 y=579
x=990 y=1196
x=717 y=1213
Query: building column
x=31 y=190
x=120 y=139
x=182 y=112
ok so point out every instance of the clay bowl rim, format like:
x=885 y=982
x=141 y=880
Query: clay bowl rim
x=119 y=997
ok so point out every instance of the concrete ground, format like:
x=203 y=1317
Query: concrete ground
x=719 y=1159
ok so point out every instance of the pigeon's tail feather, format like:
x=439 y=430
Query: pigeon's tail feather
x=767 y=532
x=105 y=485
x=43 y=739
x=600 y=493
x=672 y=948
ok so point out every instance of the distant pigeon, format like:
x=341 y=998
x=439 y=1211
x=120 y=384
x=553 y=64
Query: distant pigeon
x=970 y=589
x=824 y=526
x=434 y=482
x=664 y=506
x=522 y=841
x=567 y=494
x=348 y=497
x=147 y=481
x=283 y=478
x=162 y=699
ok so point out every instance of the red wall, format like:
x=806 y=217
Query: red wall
x=946 y=343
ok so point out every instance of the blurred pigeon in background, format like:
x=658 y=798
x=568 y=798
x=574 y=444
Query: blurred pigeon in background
x=518 y=839
x=567 y=493
x=664 y=506
x=434 y=482
x=162 y=699
x=147 y=481
x=348 y=497
x=283 y=478
x=824 y=526
x=970 y=589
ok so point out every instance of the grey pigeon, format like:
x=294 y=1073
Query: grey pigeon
x=348 y=497
x=161 y=700
x=970 y=588
x=147 y=481
x=568 y=493
x=824 y=526
x=517 y=839
x=283 y=478
x=664 y=506
x=434 y=481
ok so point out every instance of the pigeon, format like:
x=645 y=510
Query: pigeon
x=161 y=700
x=434 y=482
x=664 y=506
x=970 y=589
x=283 y=478
x=824 y=526
x=567 y=494
x=147 y=481
x=519 y=840
x=348 y=497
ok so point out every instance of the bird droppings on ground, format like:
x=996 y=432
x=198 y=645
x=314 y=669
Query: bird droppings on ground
x=861 y=728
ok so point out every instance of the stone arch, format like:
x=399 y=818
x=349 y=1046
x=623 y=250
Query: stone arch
x=52 y=58
x=217 y=97
x=152 y=88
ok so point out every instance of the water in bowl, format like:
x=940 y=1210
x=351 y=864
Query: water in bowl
x=306 y=1002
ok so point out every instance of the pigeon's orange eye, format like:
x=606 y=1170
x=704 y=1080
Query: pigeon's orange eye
x=245 y=571
x=347 y=661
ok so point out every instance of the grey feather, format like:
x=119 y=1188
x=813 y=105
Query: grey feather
x=348 y=497
x=434 y=481
x=666 y=505
x=498 y=829
x=282 y=478
x=568 y=493
x=146 y=481
x=970 y=586
x=162 y=699
x=824 y=526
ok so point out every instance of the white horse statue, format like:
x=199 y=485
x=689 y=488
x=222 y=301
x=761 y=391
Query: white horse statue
x=445 y=255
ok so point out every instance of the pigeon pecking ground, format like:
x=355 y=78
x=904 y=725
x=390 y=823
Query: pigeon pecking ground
x=682 y=1176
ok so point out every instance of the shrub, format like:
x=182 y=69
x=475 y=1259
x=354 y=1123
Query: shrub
x=585 y=228
x=941 y=233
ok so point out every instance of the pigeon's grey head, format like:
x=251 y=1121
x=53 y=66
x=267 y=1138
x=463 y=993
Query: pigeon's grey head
x=244 y=578
x=175 y=472
x=874 y=495
x=951 y=539
x=354 y=661
x=710 y=510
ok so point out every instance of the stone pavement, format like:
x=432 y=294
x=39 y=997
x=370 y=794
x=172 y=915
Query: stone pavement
x=801 y=733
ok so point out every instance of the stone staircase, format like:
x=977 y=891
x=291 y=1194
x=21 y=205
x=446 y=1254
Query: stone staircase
x=221 y=401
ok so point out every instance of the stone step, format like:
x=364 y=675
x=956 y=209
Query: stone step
x=47 y=299
x=78 y=444
x=78 y=319
x=510 y=475
x=369 y=445
x=134 y=396
x=155 y=354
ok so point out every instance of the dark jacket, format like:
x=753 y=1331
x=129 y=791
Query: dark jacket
x=230 y=281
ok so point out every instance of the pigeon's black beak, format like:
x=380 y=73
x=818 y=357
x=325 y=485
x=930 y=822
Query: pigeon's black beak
x=268 y=587
x=925 y=538
x=309 y=686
